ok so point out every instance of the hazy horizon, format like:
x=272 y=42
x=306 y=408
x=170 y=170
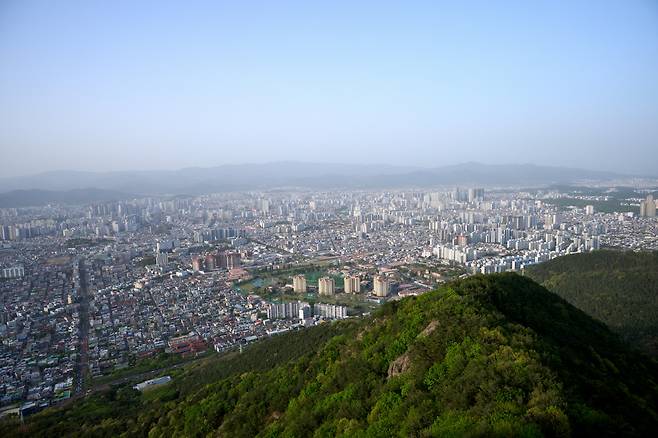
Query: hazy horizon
x=398 y=168
x=96 y=86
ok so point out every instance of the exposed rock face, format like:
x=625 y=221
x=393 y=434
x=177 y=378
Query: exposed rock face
x=429 y=329
x=399 y=365
x=403 y=363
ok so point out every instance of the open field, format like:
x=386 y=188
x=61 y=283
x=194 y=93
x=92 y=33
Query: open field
x=58 y=261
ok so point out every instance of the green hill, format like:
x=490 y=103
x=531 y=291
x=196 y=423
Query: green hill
x=491 y=355
x=618 y=288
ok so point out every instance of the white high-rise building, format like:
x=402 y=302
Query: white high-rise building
x=476 y=194
x=299 y=284
x=161 y=259
x=381 y=286
x=352 y=284
x=265 y=206
x=326 y=286
x=14 y=272
x=304 y=311
x=648 y=207
x=330 y=310
x=288 y=310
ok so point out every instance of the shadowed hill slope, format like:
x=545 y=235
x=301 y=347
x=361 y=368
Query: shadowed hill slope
x=619 y=288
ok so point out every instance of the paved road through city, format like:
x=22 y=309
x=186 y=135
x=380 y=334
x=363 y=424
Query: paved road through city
x=83 y=358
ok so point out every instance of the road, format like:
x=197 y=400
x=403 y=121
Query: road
x=82 y=366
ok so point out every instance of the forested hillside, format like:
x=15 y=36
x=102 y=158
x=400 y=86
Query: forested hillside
x=486 y=356
x=618 y=288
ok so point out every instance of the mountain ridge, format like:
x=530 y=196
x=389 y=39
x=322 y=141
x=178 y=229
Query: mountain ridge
x=39 y=198
x=198 y=180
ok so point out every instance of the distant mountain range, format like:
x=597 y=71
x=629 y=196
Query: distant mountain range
x=194 y=181
x=36 y=198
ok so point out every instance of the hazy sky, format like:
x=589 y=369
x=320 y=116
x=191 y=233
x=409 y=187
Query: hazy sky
x=108 y=85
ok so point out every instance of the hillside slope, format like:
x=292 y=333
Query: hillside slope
x=618 y=288
x=489 y=355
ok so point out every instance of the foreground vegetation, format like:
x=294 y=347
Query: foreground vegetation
x=618 y=288
x=488 y=355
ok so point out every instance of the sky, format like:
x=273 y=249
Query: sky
x=122 y=85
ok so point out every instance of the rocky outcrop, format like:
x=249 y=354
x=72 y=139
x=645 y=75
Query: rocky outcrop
x=399 y=365
x=429 y=329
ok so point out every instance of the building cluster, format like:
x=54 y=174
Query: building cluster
x=39 y=338
x=304 y=311
x=381 y=285
x=216 y=260
x=13 y=272
x=31 y=229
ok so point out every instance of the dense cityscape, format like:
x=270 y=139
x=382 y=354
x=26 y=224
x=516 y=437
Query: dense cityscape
x=90 y=290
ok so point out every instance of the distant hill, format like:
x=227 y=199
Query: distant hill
x=494 y=355
x=618 y=288
x=501 y=174
x=301 y=175
x=36 y=198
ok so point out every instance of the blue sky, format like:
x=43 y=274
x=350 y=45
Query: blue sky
x=109 y=85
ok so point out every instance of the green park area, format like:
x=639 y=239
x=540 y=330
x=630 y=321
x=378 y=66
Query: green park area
x=83 y=243
x=603 y=206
